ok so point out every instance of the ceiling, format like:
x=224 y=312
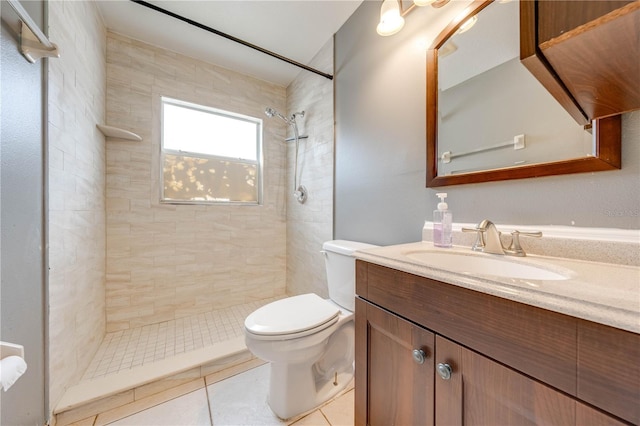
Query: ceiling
x=296 y=29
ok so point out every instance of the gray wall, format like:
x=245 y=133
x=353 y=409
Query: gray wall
x=21 y=220
x=380 y=194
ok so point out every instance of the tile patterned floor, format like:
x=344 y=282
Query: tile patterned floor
x=126 y=349
x=236 y=401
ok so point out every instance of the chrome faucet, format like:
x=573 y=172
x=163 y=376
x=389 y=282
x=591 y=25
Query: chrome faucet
x=488 y=239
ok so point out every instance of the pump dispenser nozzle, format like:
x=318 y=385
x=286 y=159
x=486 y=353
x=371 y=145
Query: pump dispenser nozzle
x=442 y=205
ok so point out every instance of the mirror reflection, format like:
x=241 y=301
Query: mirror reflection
x=492 y=112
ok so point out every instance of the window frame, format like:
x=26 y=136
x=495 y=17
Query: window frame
x=258 y=163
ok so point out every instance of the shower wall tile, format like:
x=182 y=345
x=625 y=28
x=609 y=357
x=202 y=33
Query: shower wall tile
x=76 y=193
x=310 y=224
x=164 y=261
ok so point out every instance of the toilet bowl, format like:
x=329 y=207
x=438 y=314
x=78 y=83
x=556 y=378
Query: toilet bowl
x=309 y=341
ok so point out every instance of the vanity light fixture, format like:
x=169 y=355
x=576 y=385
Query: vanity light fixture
x=392 y=14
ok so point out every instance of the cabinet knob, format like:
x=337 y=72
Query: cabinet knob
x=444 y=371
x=419 y=356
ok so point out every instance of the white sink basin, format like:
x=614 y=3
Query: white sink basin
x=483 y=264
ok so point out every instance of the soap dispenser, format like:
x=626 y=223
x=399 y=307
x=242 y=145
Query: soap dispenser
x=442 y=220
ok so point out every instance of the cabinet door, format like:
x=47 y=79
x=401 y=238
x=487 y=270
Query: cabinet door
x=603 y=34
x=482 y=392
x=558 y=39
x=392 y=388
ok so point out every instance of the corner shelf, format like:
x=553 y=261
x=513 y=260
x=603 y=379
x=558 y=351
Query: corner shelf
x=115 y=132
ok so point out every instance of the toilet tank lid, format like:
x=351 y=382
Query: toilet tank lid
x=345 y=247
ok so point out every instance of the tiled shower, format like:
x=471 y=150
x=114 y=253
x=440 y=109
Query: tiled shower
x=133 y=280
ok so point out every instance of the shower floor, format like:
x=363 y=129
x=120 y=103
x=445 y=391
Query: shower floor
x=127 y=349
x=139 y=356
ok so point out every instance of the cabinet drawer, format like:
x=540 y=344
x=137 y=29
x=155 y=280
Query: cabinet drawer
x=534 y=341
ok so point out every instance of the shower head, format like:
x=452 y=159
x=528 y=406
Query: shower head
x=273 y=113
x=270 y=112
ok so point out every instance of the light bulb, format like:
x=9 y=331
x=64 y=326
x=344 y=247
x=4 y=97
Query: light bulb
x=390 y=19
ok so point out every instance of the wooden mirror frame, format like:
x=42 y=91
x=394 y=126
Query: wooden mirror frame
x=607 y=130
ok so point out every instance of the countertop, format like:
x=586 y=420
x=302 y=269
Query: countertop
x=600 y=292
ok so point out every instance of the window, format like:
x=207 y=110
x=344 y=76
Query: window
x=209 y=155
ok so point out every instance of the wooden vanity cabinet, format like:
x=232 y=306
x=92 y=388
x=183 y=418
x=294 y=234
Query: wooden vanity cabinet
x=510 y=363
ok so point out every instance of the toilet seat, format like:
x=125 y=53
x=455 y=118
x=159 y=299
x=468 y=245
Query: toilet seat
x=292 y=317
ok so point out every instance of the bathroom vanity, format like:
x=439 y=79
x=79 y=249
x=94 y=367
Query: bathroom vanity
x=435 y=347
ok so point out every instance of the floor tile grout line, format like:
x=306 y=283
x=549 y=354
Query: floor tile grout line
x=324 y=415
x=206 y=389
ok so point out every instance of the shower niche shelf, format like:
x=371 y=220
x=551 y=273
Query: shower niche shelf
x=117 y=133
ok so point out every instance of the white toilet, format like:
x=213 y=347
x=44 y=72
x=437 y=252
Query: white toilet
x=308 y=340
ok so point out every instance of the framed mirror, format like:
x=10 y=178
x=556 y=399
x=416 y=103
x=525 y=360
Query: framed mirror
x=489 y=118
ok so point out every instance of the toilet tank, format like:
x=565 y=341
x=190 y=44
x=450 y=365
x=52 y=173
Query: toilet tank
x=341 y=270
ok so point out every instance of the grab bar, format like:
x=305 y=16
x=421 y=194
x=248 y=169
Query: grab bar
x=518 y=143
x=33 y=34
